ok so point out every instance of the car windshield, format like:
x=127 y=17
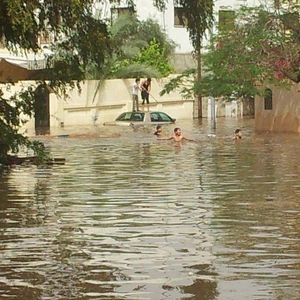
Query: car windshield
x=131 y=116
x=160 y=117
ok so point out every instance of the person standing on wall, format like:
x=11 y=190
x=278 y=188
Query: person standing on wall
x=145 y=88
x=135 y=95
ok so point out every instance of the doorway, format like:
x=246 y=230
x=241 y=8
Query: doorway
x=42 y=110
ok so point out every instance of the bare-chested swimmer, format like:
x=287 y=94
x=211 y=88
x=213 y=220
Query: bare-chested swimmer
x=177 y=137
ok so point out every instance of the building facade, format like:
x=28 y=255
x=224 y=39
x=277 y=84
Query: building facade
x=168 y=18
x=279 y=109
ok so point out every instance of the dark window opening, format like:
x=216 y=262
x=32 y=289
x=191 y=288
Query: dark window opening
x=118 y=11
x=179 y=18
x=268 y=99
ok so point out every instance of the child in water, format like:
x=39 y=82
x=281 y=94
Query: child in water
x=177 y=137
x=158 y=131
x=238 y=134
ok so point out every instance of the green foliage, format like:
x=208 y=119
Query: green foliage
x=258 y=50
x=262 y=47
x=155 y=56
x=79 y=41
x=134 y=51
x=13 y=113
x=184 y=83
x=150 y=30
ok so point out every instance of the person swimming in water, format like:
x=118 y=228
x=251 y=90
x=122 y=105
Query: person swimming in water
x=238 y=134
x=177 y=137
x=158 y=131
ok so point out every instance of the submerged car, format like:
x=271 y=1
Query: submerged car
x=142 y=118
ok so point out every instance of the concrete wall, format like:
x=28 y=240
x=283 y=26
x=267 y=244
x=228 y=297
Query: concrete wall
x=222 y=108
x=114 y=97
x=96 y=106
x=285 y=113
x=183 y=61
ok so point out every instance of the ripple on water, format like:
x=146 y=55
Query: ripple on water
x=136 y=218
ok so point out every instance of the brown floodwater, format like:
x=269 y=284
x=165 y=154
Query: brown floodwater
x=131 y=217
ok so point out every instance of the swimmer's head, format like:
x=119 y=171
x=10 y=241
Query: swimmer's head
x=177 y=131
x=238 y=133
x=158 y=130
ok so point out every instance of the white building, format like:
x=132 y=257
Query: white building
x=168 y=19
x=144 y=9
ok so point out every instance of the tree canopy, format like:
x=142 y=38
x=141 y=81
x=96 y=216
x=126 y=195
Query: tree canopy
x=262 y=45
x=78 y=40
x=140 y=49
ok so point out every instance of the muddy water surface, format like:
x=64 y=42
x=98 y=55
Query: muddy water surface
x=134 y=218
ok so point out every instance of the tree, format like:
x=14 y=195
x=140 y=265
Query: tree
x=260 y=48
x=135 y=51
x=140 y=49
x=197 y=16
x=79 y=40
x=154 y=56
x=263 y=46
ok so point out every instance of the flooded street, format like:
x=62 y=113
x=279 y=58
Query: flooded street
x=131 y=217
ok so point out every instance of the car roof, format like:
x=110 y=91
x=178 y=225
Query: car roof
x=143 y=112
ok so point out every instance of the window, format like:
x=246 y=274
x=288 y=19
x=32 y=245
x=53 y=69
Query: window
x=154 y=117
x=226 y=20
x=137 y=117
x=160 y=117
x=124 y=117
x=165 y=117
x=117 y=11
x=179 y=18
x=268 y=99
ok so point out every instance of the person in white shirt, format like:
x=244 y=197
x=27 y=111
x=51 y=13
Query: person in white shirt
x=135 y=95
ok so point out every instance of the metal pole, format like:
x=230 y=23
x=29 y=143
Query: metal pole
x=213 y=112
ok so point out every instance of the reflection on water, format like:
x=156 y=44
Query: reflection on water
x=136 y=218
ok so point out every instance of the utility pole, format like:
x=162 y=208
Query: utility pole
x=199 y=74
x=213 y=112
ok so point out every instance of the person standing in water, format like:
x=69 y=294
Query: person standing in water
x=177 y=137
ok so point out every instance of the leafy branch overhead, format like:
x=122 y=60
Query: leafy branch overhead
x=140 y=49
x=262 y=44
x=78 y=41
x=81 y=46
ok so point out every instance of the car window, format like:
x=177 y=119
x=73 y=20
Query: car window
x=125 y=117
x=154 y=117
x=164 y=117
x=137 y=116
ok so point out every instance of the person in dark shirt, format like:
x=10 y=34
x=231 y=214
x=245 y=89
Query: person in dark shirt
x=145 y=88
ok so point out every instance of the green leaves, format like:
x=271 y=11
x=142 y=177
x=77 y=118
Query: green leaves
x=139 y=49
x=258 y=49
x=155 y=57
x=78 y=40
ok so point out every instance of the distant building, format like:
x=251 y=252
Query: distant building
x=169 y=21
x=279 y=109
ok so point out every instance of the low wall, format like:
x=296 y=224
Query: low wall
x=95 y=105
x=101 y=105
